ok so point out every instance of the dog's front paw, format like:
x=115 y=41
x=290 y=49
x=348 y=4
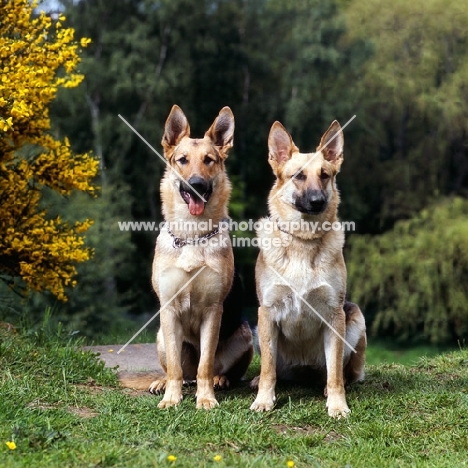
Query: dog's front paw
x=172 y=394
x=220 y=382
x=337 y=407
x=339 y=413
x=157 y=386
x=169 y=401
x=263 y=404
x=206 y=403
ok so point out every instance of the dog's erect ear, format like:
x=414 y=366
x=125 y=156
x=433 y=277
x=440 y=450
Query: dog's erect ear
x=221 y=131
x=332 y=143
x=280 y=146
x=176 y=128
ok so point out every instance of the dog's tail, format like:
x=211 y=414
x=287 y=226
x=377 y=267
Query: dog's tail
x=139 y=380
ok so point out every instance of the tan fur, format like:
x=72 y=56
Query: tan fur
x=292 y=338
x=187 y=341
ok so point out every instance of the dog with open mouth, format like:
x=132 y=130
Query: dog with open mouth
x=196 y=194
x=193 y=269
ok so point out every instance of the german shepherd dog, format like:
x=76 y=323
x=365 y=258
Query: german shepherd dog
x=306 y=329
x=193 y=271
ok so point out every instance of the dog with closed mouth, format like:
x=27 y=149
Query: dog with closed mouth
x=193 y=270
x=306 y=328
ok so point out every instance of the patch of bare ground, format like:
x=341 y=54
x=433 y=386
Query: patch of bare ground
x=332 y=437
x=329 y=438
x=91 y=386
x=38 y=404
x=82 y=412
x=135 y=393
x=296 y=430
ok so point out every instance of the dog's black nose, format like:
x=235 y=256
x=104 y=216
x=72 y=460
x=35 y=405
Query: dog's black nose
x=312 y=202
x=317 y=200
x=199 y=184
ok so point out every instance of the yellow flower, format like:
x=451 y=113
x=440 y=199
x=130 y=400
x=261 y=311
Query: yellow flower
x=84 y=41
x=11 y=445
x=290 y=464
x=171 y=458
x=217 y=458
x=47 y=251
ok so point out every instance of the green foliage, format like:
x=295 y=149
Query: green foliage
x=412 y=281
x=48 y=353
x=412 y=117
x=104 y=293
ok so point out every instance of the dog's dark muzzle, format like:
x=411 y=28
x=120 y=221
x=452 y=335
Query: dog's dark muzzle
x=312 y=202
x=196 y=192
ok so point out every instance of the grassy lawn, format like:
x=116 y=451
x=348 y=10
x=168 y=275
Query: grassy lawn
x=380 y=352
x=63 y=409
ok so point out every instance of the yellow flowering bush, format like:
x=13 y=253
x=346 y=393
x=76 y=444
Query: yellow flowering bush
x=37 y=57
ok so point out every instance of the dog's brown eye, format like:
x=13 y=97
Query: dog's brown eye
x=208 y=160
x=183 y=160
x=299 y=176
x=324 y=175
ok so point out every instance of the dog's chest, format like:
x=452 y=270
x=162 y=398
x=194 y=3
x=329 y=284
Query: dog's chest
x=299 y=307
x=190 y=259
x=301 y=321
x=192 y=278
x=298 y=295
x=291 y=284
x=214 y=254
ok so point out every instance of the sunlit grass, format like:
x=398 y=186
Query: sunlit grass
x=61 y=407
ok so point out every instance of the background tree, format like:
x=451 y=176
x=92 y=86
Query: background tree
x=411 y=145
x=412 y=153
x=412 y=280
x=37 y=56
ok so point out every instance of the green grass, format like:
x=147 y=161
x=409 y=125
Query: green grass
x=64 y=409
x=380 y=351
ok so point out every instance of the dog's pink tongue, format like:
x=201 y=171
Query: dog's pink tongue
x=196 y=206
